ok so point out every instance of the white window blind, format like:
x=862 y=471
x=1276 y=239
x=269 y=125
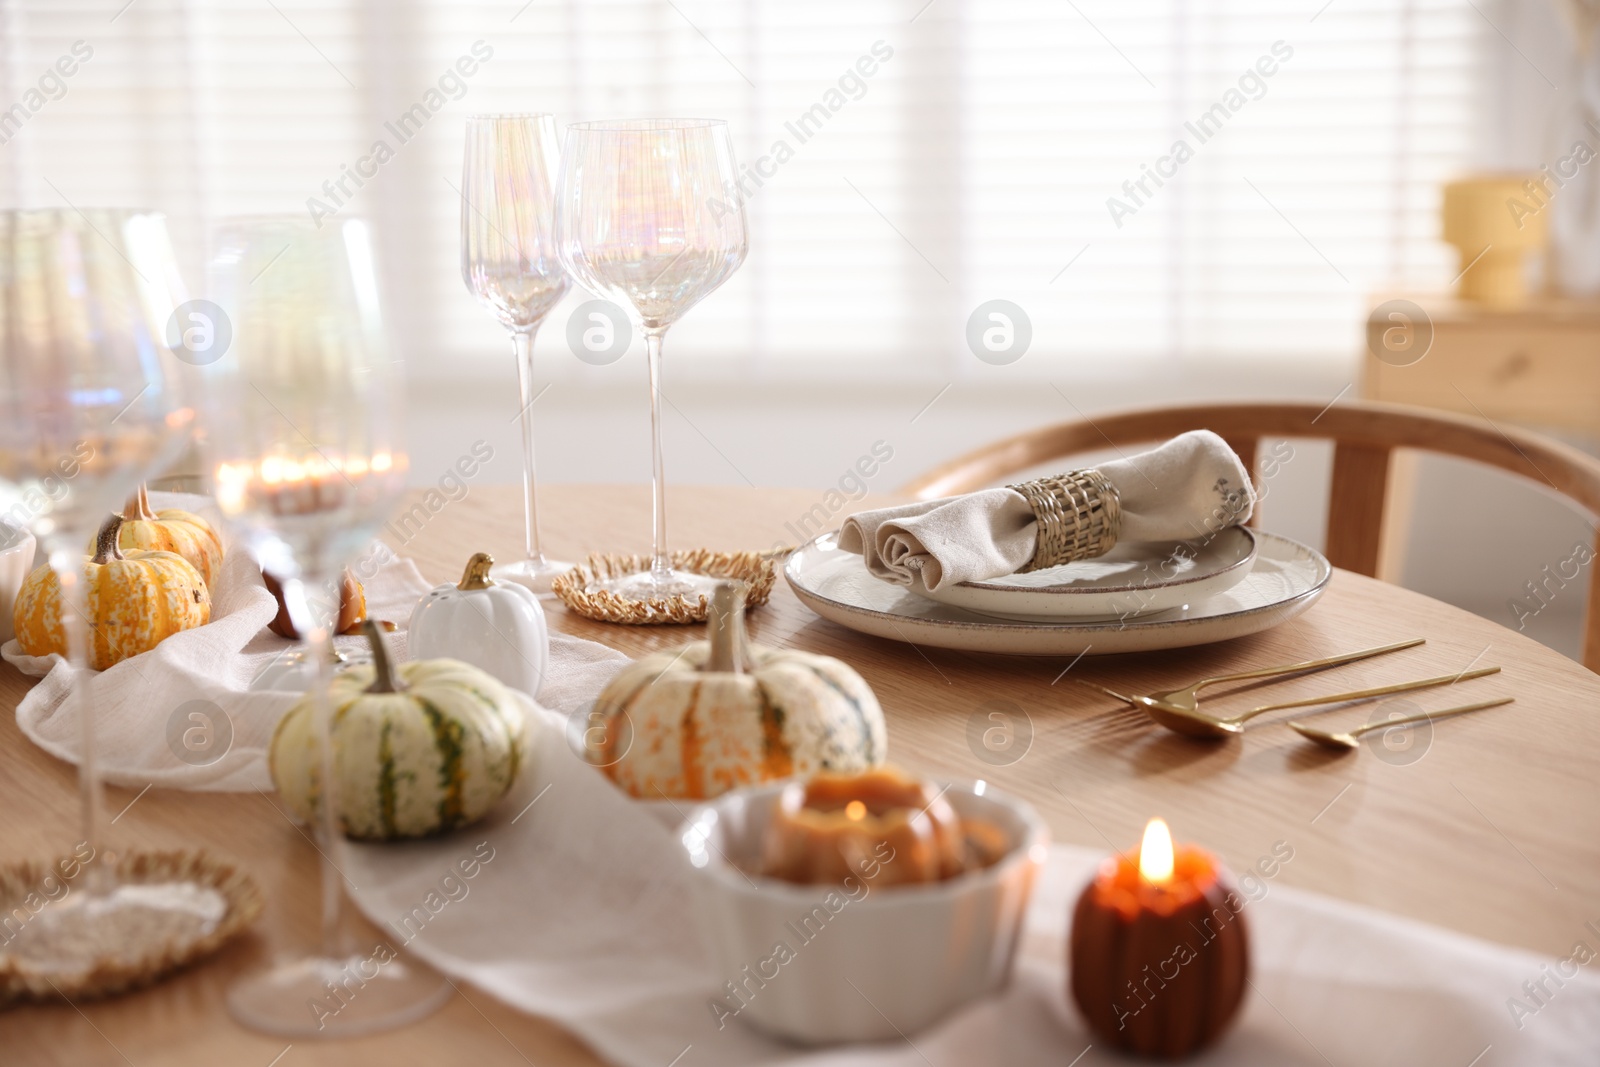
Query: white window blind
x=974 y=162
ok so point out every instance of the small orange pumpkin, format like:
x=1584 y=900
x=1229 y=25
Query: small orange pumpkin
x=135 y=601
x=171 y=530
x=352 y=607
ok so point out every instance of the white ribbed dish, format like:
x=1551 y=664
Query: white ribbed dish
x=16 y=560
x=884 y=963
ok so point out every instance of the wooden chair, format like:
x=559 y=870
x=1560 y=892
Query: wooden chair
x=1365 y=436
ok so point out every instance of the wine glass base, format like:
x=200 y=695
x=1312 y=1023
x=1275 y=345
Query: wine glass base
x=653 y=585
x=534 y=574
x=322 y=997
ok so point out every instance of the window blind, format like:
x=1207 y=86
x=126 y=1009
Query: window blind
x=935 y=155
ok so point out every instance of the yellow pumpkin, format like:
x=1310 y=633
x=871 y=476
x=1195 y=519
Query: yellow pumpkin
x=171 y=530
x=135 y=601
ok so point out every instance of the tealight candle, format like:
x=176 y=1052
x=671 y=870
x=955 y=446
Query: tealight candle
x=881 y=826
x=1159 y=951
x=284 y=485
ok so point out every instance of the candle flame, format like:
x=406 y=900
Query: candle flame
x=1155 y=853
x=855 y=811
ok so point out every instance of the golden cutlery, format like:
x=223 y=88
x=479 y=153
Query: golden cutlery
x=1186 y=700
x=1348 y=739
x=1199 y=724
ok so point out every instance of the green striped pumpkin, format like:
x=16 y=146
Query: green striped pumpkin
x=715 y=715
x=418 y=750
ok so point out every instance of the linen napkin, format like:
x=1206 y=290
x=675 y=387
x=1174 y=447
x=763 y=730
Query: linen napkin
x=1192 y=486
x=582 y=914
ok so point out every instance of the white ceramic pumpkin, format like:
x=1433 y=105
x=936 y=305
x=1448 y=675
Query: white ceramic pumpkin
x=498 y=626
x=418 y=750
x=722 y=713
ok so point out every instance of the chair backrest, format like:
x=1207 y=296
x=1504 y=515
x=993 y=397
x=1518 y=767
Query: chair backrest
x=1365 y=436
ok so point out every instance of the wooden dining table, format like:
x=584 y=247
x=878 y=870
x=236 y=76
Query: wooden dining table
x=1486 y=824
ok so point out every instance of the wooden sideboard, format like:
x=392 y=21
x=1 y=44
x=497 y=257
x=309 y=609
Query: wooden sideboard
x=1537 y=366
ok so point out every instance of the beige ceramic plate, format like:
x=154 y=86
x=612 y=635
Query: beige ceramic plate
x=1284 y=579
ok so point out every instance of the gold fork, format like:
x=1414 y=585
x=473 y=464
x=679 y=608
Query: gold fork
x=1348 y=739
x=1185 y=701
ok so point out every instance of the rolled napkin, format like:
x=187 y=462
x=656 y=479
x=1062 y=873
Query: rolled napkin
x=1190 y=487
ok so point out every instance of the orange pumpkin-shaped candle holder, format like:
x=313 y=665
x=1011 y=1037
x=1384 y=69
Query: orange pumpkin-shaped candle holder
x=1159 y=952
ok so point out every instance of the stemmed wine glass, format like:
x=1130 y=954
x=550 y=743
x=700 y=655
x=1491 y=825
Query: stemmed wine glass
x=89 y=407
x=508 y=260
x=649 y=215
x=302 y=428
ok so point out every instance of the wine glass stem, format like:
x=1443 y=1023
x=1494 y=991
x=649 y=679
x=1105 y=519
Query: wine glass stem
x=319 y=646
x=659 y=567
x=67 y=563
x=522 y=342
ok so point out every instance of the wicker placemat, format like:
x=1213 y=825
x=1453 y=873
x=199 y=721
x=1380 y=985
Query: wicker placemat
x=150 y=950
x=756 y=569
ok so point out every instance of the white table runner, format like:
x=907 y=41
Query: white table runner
x=582 y=915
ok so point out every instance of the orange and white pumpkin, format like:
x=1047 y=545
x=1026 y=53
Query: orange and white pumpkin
x=719 y=714
x=135 y=601
x=171 y=530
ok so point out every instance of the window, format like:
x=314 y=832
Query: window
x=938 y=155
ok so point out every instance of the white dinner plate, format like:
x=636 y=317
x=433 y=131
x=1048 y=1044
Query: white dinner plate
x=1134 y=579
x=1285 y=578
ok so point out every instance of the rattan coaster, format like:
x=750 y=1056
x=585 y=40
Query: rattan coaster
x=178 y=907
x=756 y=569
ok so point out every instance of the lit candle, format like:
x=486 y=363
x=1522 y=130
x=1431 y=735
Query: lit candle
x=297 y=485
x=881 y=826
x=1159 y=950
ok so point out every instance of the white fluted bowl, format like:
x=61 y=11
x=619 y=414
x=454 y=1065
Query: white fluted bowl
x=819 y=964
x=16 y=560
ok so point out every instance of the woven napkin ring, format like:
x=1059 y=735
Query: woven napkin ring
x=1079 y=516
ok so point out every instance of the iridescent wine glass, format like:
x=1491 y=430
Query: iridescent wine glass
x=303 y=434
x=509 y=262
x=89 y=407
x=649 y=215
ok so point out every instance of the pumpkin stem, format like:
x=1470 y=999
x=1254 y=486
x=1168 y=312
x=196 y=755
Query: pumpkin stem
x=388 y=679
x=476 y=576
x=106 y=549
x=725 y=628
x=138 y=507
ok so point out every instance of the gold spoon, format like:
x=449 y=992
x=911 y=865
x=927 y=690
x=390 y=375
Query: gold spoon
x=1348 y=739
x=1199 y=724
x=1186 y=701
